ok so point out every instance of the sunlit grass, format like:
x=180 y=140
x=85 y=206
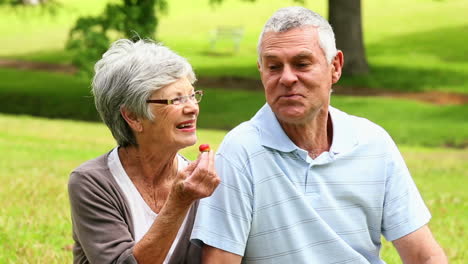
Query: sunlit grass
x=38 y=154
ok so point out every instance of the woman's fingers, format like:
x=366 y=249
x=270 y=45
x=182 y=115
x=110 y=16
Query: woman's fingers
x=201 y=170
x=203 y=180
x=191 y=167
x=211 y=161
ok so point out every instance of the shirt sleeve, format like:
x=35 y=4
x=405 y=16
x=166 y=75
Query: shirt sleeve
x=223 y=220
x=404 y=209
x=98 y=228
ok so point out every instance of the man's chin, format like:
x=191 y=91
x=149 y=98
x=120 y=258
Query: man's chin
x=291 y=119
x=290 y=114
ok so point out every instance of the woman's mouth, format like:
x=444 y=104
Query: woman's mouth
x=187 y=126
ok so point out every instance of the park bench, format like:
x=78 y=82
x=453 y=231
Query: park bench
x=229 y=33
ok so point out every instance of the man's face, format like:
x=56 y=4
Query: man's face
x=296 y=75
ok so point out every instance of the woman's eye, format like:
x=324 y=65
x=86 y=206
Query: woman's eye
x=176 y=100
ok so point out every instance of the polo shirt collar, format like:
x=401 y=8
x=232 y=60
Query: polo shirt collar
x=344 y=132
x=273 y=136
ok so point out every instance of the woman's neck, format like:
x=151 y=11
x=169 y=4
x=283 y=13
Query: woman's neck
x=154 y=167
x=152 y=174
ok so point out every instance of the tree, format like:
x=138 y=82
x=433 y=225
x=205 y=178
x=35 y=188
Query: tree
x=346 y=20
x=90 y=37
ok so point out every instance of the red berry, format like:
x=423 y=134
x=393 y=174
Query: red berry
x=204 y=147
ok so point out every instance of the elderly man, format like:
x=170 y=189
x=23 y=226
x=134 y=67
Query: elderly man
x=303 y=182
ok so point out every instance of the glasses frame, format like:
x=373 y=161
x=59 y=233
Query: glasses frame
x=179 y=99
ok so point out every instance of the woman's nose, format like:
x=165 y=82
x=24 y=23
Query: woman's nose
x=191 y=107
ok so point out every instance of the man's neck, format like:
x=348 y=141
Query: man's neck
x=314 y=136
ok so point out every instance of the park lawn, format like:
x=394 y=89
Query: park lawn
x=405 y=52
x=38 y=154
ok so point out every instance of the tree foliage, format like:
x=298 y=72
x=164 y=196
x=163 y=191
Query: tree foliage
x=49 y=7
x=23 y=2
x=90 y=37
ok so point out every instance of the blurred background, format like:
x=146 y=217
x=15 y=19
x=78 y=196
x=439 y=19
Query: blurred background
x=407 y=70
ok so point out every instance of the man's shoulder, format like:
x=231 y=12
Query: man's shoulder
x=243 y=138
x=365 y=132
x=243 y=131
x=363 y=126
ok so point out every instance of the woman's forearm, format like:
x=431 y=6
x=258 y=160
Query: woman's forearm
x=156 y=243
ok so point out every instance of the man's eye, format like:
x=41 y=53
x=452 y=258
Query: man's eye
x=302 y=65
x=273 y=67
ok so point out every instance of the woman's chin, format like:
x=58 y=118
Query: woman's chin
x=189 y=142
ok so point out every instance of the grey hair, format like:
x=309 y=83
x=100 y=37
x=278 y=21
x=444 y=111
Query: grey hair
x=295 y=16
x=126 y=76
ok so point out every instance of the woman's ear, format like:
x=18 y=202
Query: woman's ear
x=132 y=119
x=337 y=66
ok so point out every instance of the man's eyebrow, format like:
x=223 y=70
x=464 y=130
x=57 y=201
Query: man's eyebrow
x=303 y=54
x=269 y=56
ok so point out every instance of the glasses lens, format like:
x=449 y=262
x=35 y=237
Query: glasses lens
x=198 y=95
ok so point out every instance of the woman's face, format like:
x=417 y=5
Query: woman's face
x=174 y=126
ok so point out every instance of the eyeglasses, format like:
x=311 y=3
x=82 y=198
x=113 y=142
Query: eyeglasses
x=195 y=97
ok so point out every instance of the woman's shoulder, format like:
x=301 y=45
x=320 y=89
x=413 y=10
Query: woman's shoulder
x=92 y=184
x=92 y=171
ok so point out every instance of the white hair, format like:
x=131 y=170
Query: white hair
x=295 y=16
x=126 y=76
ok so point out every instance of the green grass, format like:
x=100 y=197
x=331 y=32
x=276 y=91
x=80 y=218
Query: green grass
x=412 y=45
x=38 y=154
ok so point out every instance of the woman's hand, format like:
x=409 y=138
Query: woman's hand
x=196 y=181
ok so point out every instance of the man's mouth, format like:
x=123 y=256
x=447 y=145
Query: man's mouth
x=292 y=96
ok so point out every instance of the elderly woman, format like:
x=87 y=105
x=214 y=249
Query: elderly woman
x=136 y=204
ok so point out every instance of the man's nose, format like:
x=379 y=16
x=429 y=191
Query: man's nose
x=288 y=76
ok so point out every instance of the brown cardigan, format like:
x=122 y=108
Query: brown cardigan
x=102 y=223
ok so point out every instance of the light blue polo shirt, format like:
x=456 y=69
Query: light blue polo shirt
x=275 y=204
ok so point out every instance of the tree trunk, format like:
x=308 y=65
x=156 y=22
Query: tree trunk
x=346 y=20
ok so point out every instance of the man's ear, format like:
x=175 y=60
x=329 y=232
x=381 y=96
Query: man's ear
x=259 y=67
x=337 y=66
x=132 y=120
